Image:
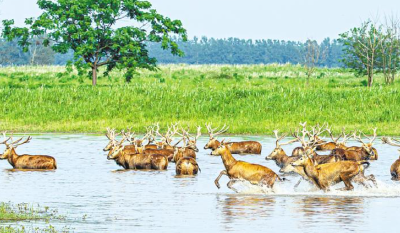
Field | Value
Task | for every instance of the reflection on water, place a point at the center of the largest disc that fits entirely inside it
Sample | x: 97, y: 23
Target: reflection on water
x: 339, y: 212
x: 97, y: 196
x: 246, y: 207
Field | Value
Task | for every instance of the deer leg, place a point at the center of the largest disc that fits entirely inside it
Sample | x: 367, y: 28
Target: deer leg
x: 347, y: 183
x: 372, y: 179
x: 298, y: 183
x: 219, y: 177
x: 361, y: 179
x: 265, y: 180
x: 230, y: 185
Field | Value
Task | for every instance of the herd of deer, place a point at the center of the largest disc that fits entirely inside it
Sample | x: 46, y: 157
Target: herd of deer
x: 156, y: 150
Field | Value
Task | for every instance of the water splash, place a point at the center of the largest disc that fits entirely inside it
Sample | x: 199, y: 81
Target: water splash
x: 391, y: 189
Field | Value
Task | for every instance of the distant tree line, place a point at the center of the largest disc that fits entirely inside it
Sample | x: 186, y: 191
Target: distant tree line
x: 197, y: 51
x: 239, y: 51
x: 13, y: 55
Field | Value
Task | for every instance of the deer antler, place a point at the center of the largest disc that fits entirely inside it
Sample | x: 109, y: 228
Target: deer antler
x: 358, y: 137
x: 279, y: 138
x: 198, y: 133
x: 389, y: 141
x: 333, y: 139
x: 15, y: 144
x: 6, y: 139
x: 211, y: 130
x: 130, y: 136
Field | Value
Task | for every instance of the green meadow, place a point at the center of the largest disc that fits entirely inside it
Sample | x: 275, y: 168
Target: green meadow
x: 251, y: 99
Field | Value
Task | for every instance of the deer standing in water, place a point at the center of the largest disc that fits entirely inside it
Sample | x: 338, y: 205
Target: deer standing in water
x: 187, y: 166
x: 40, y: 162
x: 240, y: 170
x: 137, y: 160
x: 246, y: 147
x: 395, y: 168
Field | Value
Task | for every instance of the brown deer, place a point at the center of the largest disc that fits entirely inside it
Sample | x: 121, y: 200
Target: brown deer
x: 298, y: 151
x: 326, y: 175
x: 246, y: 147
x: 278, y: 154
x: 169, y: 154
x: 135, y: 142
x: 395, y: 168
x: 137, y: 161
x: 183, y: 152
x: 329, y: 145
x: 40, y: 162
x: 167, y: 138
x: 191, y: 142
x: 365, y: 152
x: 187, y: 166
x: 240, y: 170
x: 316, y: 131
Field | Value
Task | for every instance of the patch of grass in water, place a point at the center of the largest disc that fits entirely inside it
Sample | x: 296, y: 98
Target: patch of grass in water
x: 20, y: 213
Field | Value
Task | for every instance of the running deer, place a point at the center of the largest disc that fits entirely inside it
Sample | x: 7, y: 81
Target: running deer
x: 40, y: 162
x: 246, y: 147
x: 240, y: 170
x: 187, y: 166
x: 278, y: 154
x: 395, y: 168
x: 326, y: 175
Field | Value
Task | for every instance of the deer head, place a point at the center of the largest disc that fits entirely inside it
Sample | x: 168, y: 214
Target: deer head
x: 117, y: 149
x: 213, y: 142
x: 10, y: 146
x: 221, y: 148
x: 192, y: 141
x: 278, y: 151
x: 111, y: 135
x: 366, y: 146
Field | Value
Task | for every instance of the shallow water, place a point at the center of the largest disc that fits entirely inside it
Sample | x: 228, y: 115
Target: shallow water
x: 96, y: 196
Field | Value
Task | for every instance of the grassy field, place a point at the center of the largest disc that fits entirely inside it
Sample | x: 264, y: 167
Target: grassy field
x: 250, y: 99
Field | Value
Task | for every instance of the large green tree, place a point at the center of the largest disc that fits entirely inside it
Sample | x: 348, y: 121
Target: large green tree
x: 93, y: 30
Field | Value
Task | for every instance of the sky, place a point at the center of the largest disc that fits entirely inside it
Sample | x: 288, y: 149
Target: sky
x: 297, y: 20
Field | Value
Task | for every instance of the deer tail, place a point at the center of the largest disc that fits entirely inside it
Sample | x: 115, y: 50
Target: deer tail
x: 281, y: 179
x: 367, y: 164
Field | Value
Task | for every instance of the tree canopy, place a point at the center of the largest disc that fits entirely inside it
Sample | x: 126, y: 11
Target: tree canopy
x: 92, y: 29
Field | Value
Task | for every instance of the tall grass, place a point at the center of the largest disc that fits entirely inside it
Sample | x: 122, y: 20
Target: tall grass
x: 250, y: 99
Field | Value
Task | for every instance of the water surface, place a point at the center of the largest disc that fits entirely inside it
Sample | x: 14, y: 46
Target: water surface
x: 97, y: 196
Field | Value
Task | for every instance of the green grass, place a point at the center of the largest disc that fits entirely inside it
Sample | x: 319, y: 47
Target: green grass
x: 26, y: 213
x: 250, y: 99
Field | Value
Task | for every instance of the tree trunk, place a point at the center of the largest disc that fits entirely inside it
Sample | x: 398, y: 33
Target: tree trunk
x: 370, y: 79
x: 94, y: 75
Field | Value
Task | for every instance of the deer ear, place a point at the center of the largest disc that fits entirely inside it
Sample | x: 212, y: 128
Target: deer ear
x: 223, y: 141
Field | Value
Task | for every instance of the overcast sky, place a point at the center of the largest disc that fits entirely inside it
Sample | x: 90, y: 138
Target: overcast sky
x: 252, y: 19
